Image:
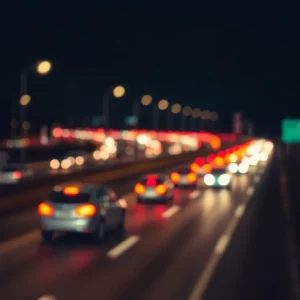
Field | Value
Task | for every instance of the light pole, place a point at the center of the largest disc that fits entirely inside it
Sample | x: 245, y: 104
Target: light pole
x: 42, y: 68
x: 117, y: 92
x: 186, y: 112
x: 162, y: 105
x: 175, y: 109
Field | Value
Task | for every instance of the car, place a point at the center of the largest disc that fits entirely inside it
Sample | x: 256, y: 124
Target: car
x: 184, y: 177
x: 241, y: 167
x: 218, y: 178
x: 82, y: 208
x: 154, y: 187
x: 14, y: 173
x: 198, y: 165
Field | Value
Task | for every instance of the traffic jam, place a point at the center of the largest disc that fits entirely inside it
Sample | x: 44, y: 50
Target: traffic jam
x: 95, y: 210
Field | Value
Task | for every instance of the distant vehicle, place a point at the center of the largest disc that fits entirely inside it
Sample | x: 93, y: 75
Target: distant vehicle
x: 184, y: 177
x: 198, y: 165
x: 241, y: 167
x: 14, y: 173
x: 84, y: 208
x: 218, y: 178
x: 71, y: 159
x: 154, y: 187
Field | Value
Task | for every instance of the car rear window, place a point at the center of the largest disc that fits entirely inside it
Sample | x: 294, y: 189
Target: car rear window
x: 60, y: 197
x: 10, y: 169
x: 184, y: 170
x: 219, y: 171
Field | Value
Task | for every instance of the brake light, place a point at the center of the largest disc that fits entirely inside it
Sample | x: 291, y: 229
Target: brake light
x: 45, y: 210
x: 139, y: 189
x: 200, y: 161
x: 175, y: 177
x: 161, y: 189
x: 210, y: 157
x: 219, y: 161
x: 191, y: 177
x: 71, y: 190
x: 151, y: 181
x: 86, y: 210
x: 17, y: 175
x: 207, y: 168
x: 194, y: 167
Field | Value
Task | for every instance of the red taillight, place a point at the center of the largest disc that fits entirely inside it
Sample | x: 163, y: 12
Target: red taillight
x: 45, y: 210
x: 161, y: 189
x: 151, y: 180
x: 175, y: 177
x: 200, y: 161
x: 71, y: 190
x: 139, y: 189
x: 17, y: 175
x: 86, y: 210
x: 191, y: 177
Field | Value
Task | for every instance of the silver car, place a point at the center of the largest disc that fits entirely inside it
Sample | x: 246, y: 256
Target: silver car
x: 83, y: 208
x: 154, y: 187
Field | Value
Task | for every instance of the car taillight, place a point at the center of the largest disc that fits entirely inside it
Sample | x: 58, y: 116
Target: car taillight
x: 139, y: 189
x: 207, y: 168
x: 191, y: 177
x: 86, y: 210
x: 161, y: 189
x: 175, y: 177
x: 194, y: 167
x: 17, y: 175
x: 45, y: 210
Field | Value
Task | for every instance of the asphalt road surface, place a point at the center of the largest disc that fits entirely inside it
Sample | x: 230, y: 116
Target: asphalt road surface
x: 165, y: 252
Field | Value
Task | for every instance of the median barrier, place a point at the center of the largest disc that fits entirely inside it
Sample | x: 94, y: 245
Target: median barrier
x: 38, y: 191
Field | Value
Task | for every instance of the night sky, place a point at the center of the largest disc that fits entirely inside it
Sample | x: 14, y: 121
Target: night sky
x: 220, y: 58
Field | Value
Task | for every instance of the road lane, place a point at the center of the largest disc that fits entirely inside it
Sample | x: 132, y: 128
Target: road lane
x: 32, y: 266
x: 167, y: 260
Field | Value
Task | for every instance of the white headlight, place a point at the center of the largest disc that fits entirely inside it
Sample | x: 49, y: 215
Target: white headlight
x: 224, y: 179
x: 54, y: 164
x: 263, y: 156
x: 253, y: 160
x: 243, y: 168
x: 209, y: 179
x: 233, y: 168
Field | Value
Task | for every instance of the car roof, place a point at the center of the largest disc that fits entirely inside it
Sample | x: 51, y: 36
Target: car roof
x: 84, y: 187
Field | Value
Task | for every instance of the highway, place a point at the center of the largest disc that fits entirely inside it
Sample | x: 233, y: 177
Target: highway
x: 163, y: 253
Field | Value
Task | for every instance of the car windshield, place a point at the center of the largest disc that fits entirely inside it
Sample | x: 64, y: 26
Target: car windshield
x: 60, y: 197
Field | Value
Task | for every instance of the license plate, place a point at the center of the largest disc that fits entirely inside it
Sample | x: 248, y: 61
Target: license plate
x: 63, y: 214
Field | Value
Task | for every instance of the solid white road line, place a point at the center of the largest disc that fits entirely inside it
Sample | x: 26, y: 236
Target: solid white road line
x: 220, y: 248
x: 256, y: 179
x: 123, y: 246
x: 250, y: 191
x: 240, y: 210
x: 194, y: 194
x: 171, y: 211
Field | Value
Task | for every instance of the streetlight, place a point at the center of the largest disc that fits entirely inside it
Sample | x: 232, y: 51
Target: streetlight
x: 175, y: 109
x: 42, y: 68
x: 146, y: 100
x: 163, y: 104
x: 118, y: 92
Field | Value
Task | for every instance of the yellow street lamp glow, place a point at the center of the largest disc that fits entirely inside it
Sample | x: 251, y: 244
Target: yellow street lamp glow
x: 119, y: 91
x: 214, y: 116
x: 146, y: 100
x: 44, y: 67
x: 205, y: 115
x: 163, y: 104
x: 196, y: 113
x: 176, y: 108
x: 25, y: 100
x: 187, y: 111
